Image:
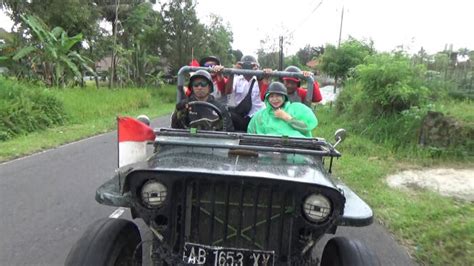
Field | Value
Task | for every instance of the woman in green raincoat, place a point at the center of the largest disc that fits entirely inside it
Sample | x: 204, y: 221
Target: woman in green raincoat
x: 281, y: 117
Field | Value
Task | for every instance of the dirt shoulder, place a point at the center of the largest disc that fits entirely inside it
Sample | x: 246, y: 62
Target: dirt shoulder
x: 456, y: 183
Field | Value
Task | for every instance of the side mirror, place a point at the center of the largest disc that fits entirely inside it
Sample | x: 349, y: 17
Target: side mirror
x: 339, y: 136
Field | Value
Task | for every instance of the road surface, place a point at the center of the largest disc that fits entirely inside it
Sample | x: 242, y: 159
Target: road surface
x: 47, y: 201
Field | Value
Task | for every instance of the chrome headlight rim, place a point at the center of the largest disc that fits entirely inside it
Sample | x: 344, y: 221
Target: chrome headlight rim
x: 157, y: 199
x: 325, y: 208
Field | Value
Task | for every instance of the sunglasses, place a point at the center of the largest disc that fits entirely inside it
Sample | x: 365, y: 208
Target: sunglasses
x: 200, y: 83
x: 210, y: 64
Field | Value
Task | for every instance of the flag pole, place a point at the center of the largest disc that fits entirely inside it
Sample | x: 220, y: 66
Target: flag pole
x: 118, y: 146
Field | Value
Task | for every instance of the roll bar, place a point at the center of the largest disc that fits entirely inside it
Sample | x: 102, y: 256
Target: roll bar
x: 236, y: 71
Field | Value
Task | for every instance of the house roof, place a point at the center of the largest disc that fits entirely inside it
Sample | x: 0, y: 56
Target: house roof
x: 313, y: 63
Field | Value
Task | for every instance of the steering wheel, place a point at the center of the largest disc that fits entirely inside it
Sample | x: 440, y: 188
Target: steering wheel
x: 196, y: 118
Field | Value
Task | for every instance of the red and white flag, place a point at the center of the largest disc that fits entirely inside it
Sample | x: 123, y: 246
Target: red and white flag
x: 194, y: 63
x: 133, y: 136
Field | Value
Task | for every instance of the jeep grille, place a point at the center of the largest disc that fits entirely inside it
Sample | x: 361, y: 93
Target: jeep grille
x: 249, y: 214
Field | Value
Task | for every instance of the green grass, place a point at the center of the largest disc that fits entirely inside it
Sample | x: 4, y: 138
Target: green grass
x: 463, y: 110
x: 90, y: 112
x: 437, y: 230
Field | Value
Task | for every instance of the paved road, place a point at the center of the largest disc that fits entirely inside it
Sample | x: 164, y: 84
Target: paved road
x: 47, y: 201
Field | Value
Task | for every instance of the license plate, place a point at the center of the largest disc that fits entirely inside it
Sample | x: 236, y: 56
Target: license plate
x: 209, y: 255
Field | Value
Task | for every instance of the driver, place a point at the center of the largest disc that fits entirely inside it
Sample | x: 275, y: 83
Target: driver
x: 185, y: 116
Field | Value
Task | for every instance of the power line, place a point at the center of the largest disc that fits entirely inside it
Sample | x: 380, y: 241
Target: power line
x: 307, y: 17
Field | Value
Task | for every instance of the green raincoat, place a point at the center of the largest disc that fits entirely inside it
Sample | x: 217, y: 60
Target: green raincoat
x: 264, y: 121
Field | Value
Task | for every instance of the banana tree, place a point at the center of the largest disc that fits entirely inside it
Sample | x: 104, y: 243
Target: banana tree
x: 51, y: 53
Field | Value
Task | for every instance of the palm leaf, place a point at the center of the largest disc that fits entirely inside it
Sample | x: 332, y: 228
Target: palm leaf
x: 84, y: 61
x: 57, y: 31
x: 69, y: 42
x: 72, y: 66
x: 52, y: 52
x: 36, y: 26
x: 24, y: 52
x: 80, y: 58
x: 89, y: 69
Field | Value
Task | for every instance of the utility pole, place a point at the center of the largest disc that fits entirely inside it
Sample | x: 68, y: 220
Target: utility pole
x: 114, y: 49
x: 340, y: 28
x: 280, y: 61
x: 338, y: 45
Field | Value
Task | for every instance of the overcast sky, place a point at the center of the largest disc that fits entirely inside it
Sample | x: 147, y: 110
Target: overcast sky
x: 389, y: 23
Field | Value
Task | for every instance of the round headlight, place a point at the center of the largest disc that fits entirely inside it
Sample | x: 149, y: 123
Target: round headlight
x: 153, y: 193
x: 317, y: 207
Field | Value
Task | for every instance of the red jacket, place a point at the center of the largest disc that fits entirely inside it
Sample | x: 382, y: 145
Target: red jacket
x: 301, y: 92
x: 220, y: 82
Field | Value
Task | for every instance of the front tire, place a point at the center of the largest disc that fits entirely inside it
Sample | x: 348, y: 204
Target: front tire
x: 107, y: 242
x: 341, y: 251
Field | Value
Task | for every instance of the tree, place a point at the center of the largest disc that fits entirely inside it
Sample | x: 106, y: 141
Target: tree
x: 184, y: 33
x: 441, y: 63
x: 421, y: 57
x: 219, y: 40
x: 471, y: 55
x: 8, y: 49
x: 142, y: 39
x: 338, y: 61
x: 116, y: 12
x: 308, y: 53
x: 463, y: 52
x: 269, y: 51
x: 268, y: 59
x: 237, y: 55
x: 74, y: 16
x: 293, y: 60
x: 50, y: 52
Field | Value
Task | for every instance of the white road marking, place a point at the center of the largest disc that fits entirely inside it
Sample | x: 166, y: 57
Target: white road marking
x: 55, y: 148
x: 117, y: 213
x: 74, y: 142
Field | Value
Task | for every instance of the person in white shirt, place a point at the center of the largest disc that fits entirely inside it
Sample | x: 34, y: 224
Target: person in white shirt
x: 243, y: 94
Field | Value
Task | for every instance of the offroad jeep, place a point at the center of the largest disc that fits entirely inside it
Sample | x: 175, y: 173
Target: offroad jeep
x: 226, y: 198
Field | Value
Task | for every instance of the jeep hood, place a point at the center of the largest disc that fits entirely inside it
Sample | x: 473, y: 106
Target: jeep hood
x: 289, y: 167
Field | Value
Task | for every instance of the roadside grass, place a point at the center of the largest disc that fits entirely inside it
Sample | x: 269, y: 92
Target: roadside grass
x: 463, y: 110
x: 436, y: 230
x: 90, y: 112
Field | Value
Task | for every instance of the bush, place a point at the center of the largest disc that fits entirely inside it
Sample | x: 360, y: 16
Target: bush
x: 386, y: 99
x: 24, y: 110
x: 391, y: 83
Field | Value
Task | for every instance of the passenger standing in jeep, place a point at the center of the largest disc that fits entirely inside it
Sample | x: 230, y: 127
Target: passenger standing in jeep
x: 218, y: 79
x: 296, y: 93
x: 243, y: 94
